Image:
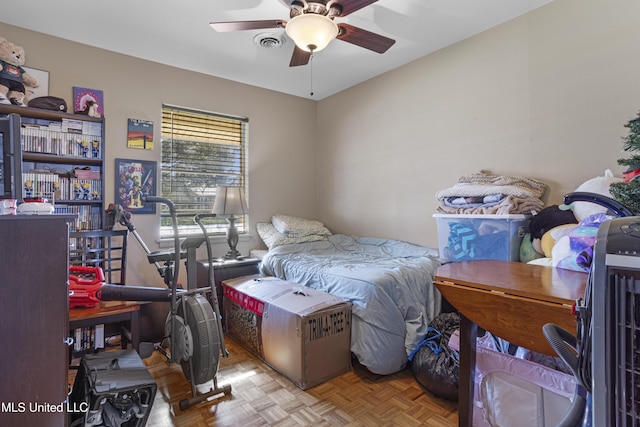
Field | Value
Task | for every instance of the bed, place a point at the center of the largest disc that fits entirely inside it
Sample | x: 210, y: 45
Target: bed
x: 389, y: 283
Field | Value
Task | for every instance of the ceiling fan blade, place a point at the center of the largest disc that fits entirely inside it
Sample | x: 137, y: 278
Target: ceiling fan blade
x: 350, y: 6
x: 364, y: 38
x: 299, y: 57
x: 224, y: 27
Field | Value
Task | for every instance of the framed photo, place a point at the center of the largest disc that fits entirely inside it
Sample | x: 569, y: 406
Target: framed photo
x: 135, y: 178
x: 140, y: 134
x: 43, y: 83
x: 88, y: 101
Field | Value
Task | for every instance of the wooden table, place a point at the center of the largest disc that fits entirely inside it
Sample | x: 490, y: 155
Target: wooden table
x: 106, y: 313
x: 513, y: 301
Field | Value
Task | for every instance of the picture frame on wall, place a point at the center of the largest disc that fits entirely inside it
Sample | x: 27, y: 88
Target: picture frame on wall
x: 134, y: 179
x: 42, y: 77
x: 140, y: 134
x: 87, y: 101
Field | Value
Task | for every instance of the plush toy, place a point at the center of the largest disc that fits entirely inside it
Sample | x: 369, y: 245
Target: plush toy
x: 13, y: 78
x: 553, y: 236
x: 569, y: 244
x: 548, y: 218
x: 574, y: 250
x: 527, y: 251
x: 598, y: 185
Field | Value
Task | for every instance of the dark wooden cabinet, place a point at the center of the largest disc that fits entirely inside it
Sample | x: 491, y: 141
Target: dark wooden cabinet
x: 224, y: 270
x: 34, y: 307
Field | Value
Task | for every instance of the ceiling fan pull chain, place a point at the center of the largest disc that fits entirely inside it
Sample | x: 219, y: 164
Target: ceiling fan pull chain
x: 311, y: 72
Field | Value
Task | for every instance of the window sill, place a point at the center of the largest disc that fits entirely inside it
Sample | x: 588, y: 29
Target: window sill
x: 215, y: 240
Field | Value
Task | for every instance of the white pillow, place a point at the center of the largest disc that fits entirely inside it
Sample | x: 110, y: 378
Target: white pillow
x: 292, y: 226
x: 273, y: 238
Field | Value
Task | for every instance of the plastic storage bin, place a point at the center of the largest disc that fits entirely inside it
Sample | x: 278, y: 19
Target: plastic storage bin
x: 464, y: 237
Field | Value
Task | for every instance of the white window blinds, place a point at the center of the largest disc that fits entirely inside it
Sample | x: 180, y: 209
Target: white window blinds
x: 200, y: 150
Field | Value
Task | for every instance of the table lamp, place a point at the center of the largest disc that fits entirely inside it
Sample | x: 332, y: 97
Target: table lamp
x: 230, y: 201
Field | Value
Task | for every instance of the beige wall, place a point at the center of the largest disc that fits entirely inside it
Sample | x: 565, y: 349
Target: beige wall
x: 282, y: 128
x: 544, y: 96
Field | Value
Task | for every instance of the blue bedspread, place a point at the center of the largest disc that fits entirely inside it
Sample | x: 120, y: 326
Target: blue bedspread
x: 389, y: 283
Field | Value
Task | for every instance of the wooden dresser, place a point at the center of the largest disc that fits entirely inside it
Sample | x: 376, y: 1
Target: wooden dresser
x: 34, y: 299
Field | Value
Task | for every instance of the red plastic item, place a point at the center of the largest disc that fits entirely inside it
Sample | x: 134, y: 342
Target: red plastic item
x: 85, y: 286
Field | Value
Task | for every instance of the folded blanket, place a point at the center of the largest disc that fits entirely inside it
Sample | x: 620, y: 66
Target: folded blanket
x: 508, y: 205
x: 479, y: 185
x: 472, y: 202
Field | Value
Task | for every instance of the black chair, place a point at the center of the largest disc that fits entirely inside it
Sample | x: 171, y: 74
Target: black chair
x: 104, y: 249
x: 107, y: 250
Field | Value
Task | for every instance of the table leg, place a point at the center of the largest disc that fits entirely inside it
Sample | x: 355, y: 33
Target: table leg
x: 468, y: 335
x: 135, y: 330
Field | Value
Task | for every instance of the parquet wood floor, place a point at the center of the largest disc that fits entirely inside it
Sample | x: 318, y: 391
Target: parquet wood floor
x: 260, y: 396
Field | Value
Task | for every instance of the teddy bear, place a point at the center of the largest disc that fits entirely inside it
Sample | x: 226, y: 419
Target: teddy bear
x: 13, y: 78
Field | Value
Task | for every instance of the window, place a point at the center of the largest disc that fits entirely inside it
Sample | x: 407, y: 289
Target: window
x: 200, y: 150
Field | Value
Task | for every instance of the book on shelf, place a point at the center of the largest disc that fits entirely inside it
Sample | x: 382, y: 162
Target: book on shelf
x: 92, y: 128
x: 72, y: 125
x: 85, y: 189
x: 88, y: 217
x: 55, y: 187
x: 88, y: 338
x: 74, y: 138
x: 99, y: 336
x: 41, y: 185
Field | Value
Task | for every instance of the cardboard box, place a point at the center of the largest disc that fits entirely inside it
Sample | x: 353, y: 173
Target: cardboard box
x: 303, y: 333
x: 463, y: 237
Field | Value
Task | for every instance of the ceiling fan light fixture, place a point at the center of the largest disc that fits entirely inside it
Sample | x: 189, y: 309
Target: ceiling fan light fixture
x: 311, y: 32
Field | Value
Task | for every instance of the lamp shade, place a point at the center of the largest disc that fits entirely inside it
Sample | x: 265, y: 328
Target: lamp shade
x: 311, y: 32
x: 230, y: 201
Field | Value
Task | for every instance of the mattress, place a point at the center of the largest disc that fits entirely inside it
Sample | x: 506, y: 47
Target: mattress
x: 388, y: 282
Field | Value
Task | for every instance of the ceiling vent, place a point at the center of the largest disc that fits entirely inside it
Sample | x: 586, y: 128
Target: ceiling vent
x: 269, y: 40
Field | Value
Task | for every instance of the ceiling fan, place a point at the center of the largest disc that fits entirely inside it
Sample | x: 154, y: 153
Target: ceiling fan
x: 312, y: 27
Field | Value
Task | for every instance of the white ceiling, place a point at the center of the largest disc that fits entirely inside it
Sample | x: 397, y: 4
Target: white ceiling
x: 177, y: 33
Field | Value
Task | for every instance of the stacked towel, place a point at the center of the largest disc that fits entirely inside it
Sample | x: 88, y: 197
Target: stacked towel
x: 482, y: 193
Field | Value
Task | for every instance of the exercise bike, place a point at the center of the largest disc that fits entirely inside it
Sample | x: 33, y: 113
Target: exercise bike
x: 193, y: 329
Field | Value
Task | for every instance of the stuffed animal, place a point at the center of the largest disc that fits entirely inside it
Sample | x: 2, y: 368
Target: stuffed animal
x: 568, y: 243
x: 540, y: 225
x: 574, y: 250
x: 13, y: 78
x: 598, y: 185
x: 548, y: 218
